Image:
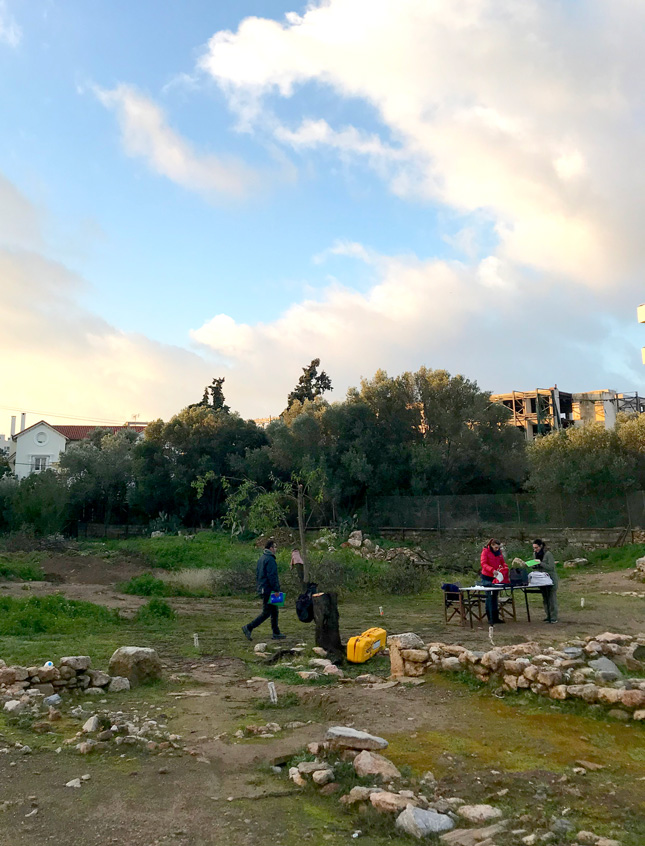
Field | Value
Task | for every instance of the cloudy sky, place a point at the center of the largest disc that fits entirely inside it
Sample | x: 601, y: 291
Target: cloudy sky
x: 202, y: 189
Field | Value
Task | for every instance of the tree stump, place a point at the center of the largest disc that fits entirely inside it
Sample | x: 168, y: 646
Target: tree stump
x: 326, y: 618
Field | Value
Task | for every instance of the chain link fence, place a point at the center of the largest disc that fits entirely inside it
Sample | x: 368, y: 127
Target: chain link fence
x: 471, y: 511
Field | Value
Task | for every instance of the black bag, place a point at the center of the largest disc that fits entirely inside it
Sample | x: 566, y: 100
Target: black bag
x: 305, y: 604
x: 519, y: 576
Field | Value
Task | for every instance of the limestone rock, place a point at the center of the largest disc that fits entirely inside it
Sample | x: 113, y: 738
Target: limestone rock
x: 389, y: 803
x: 7, y: 675
x: 451, y: 663
x: 79, y: 663
x: 417, y: 656
x: 14, y: 706
x: 75, y: 782
x: 135, y: 663
x: 606, y: 668
x: 92, y: 725
x: 323, y: 776
x: 309, y: 767
x: 319, y: 651
x: 613, y: 637
x: 479, y: 813
x: 118, y: 684
x: 98, y: 678
x: 407, y: 640
x: 355, y: 539
x: 587, y: 838
x: 260, y: 647
x: 420, y: 823
x: 472, y: 836
x: 332, y: 670
x: 371, y: 764
x: 320, y: 663
x: 296, y: 778
x: 359, y: 794
x: 343, y: 737
x: 308, y: 675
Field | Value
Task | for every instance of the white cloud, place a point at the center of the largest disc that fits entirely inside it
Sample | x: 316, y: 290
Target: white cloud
x: 61, y: 357
x: 528, y: 110
x: 465, y: 319
x: 10, y: 32
x: 145, y: 134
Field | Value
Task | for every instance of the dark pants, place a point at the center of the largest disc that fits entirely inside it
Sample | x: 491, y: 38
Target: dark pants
x: 268, y: 610
x: 492, y: 610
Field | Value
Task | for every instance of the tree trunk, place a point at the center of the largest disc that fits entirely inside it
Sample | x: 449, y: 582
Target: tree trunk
x: 303, y: 542
x: 326, y: 619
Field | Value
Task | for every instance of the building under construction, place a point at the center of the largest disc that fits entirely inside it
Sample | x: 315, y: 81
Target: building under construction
x: 545, y: 410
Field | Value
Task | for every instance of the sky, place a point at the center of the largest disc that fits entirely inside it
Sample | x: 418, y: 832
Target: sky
x: 200, y: 189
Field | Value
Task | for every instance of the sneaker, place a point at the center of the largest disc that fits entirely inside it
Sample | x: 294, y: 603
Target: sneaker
x: 247, y: 632
x: 279, y: 637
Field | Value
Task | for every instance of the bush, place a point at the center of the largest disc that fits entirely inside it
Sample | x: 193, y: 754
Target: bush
x: 52, y: 614
x: 146, y: 585
x: 154, y: 611
x: 404, y: 576
x: 239, y: 579
x: 28, y: 571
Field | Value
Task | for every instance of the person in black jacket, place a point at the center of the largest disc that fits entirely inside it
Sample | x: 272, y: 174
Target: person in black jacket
x: 266, y: 576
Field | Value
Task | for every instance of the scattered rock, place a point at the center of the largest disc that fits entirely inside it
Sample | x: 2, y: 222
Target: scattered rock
x: 296, y: 778
x: 75, y: 782
x: 420, y: 823
x: 319, y: 651
x: 472, y: 837
x: 389, y: 803
x: 14, y: 706
x: 260, y: 647
x: 343, y: 737
x: 479, y: 813
x: 118, y: 684
x: 92, y: 725
x: 330, y: 789
x: 359, y: 794
x: 322, y: 777
x: 371, y: 764
x: 135, y: 663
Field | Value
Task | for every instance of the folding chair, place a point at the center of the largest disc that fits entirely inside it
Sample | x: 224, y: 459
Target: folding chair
x: 453, y: 604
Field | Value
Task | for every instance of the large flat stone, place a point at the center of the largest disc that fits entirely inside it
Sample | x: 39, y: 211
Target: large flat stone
x: 606, y: 666
x: 343, y: 737
x: 138, y: 664
x: 407, y: 640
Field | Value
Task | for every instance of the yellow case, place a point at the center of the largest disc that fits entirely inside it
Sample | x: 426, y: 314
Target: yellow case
x: 364, y: 646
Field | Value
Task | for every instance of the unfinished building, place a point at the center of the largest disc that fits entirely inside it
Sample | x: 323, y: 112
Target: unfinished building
x: 545, y: 410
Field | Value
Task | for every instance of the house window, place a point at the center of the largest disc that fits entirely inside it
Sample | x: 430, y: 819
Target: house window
x: 41, y: 438
x: 40, y: 462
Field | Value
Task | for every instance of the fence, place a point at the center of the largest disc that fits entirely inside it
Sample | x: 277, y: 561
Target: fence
x: 469, y: 512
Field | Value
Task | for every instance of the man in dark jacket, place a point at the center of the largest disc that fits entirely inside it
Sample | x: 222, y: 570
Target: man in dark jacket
x: 266, y: 576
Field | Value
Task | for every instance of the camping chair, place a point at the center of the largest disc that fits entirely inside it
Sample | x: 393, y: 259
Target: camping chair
x: 506, y: 605
x: 453, y: 603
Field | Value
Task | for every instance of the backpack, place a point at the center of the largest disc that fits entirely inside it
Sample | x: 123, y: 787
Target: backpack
x: 305, y: 604
x: 519, y: 576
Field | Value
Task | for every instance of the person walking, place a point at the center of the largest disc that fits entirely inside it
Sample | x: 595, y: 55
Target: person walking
x: 266, y: 576
x: 550, y: 592
x: 494, y: 572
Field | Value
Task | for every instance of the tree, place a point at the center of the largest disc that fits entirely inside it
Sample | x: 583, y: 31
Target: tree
x: 582, y: 462
x: 310, y: 385
x: 213, y: 397
x: 99, y: 472
x: 180, y: 464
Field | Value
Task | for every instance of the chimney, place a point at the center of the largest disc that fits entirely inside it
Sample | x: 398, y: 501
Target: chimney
x: 23, y: 420
x: 13, y: 425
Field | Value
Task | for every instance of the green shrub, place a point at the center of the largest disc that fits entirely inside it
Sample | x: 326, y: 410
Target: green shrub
x: 154, y: 611
x: 146, y: 585
x: 52, y: 614
x: 28, y: 570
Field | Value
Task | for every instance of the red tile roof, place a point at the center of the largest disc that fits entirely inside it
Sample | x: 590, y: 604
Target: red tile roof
x: 79, y: 433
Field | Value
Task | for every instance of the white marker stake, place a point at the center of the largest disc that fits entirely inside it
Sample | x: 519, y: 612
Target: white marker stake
x: 582, y: 602
x: 491, y: 629
x: 196, y: 640
x: 380, y: 610
x: 273, y: 694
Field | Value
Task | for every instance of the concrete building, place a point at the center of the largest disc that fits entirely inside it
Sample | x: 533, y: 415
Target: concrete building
x: 40, y: 446
x: 545, y: 410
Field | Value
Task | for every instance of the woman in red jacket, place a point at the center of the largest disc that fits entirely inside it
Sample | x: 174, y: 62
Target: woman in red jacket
x: 494, y: 572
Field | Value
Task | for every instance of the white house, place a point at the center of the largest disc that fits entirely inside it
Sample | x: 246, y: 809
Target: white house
x: 40, y: 446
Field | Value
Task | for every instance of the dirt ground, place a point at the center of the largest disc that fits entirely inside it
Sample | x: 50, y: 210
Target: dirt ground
x: 222, y: 791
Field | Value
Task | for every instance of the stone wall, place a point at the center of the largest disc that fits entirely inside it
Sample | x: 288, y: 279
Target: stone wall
x: 594, y: 670
x: 70, y: 673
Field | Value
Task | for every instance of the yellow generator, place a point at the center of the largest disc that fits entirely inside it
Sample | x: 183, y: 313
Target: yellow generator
x: 364, y: 646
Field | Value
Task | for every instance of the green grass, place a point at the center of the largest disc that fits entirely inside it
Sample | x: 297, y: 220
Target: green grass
x: 148, y: 585
x: 175, y: 552
x: 52, y: 614
x: 618, y: 558
x: 23, y: 566
x: 156, y: 611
